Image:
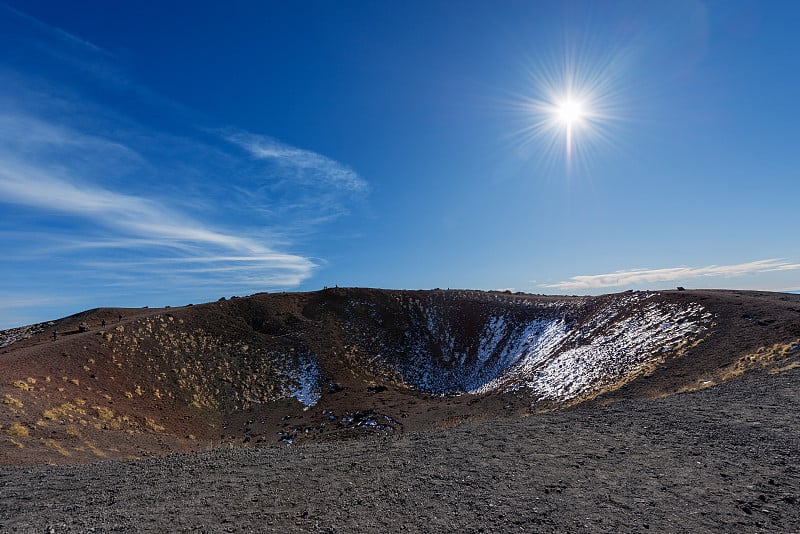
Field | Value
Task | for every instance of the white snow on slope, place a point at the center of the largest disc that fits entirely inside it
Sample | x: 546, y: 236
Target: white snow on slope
x: 307, y: 387
x: 579, y: 361
x: 555, y: 351
x: 10, y: 336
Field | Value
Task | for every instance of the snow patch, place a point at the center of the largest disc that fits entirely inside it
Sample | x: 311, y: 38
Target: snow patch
x: 307, y: 387
x: 555, y: 350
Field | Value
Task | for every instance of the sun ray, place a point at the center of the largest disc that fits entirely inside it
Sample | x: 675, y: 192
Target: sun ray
x: 571, y: 108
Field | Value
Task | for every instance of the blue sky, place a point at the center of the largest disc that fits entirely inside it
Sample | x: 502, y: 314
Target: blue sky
x: 165, y: 153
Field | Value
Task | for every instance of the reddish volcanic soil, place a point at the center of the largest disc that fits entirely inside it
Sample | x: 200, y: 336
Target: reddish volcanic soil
x: 706, y: 438
x: 723, y: 459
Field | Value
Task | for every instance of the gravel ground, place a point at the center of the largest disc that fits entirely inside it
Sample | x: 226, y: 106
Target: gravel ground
x: 719, y: 460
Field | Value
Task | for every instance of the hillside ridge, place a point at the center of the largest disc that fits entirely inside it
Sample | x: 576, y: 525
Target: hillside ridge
x: 280, y: 368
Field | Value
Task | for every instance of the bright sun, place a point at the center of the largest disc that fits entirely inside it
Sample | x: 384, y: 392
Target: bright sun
x: 569, y: 112
x: 574, y: 106
x: 569, y: 115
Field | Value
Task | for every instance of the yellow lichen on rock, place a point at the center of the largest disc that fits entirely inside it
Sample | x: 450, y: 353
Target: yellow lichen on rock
x: 57, y: 447
x: 11, y: 401
x: 103, y: 413
x: 21, y: 384
x: 94, y: 450
x: 18, y: 430
x: 775, y: 359
x: 152, y: 425
x: 67, y: 410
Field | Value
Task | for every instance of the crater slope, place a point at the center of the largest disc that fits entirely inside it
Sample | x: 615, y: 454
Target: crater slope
x: 274, y: 369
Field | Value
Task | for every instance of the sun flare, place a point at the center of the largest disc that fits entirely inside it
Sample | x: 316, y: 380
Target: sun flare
x: 569, y: 112
x: 571, y: 108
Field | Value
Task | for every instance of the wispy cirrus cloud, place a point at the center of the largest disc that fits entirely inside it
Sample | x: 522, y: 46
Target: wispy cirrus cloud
x: 304, y: 165
x: 636, y: 277
x: 101, y: 208
x: 59, y: 34
x: 56, y: 168
x: 146, y: 224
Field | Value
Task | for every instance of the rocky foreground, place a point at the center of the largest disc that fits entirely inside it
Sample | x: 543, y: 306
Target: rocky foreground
x: 724, y: 459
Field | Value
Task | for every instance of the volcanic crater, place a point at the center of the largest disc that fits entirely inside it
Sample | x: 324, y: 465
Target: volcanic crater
x: 366, y: 410
x: 342, y: 363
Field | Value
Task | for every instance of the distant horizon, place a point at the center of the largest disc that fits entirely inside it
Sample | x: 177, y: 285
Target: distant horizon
x: 551, y: 148
x: 168, y: 306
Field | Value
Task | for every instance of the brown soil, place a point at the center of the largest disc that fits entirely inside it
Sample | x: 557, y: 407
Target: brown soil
x: 723, y: 459
x: 156, y: 381
x: 374, y: 454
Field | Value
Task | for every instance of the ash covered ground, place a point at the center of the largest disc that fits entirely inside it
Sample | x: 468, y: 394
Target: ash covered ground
x: 722, y: 459
x: 373, y: 410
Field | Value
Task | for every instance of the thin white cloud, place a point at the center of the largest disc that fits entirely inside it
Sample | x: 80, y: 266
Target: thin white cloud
x: 788, y: 267
x: 139, y: 217
x: 311, y: 165
x: 25, y: 135
x: 30, y: 186
x: 11, y: 300
x: 98, y: 204
x: 58, y: 33
x: 34, y: 173
x: 648, y: 276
